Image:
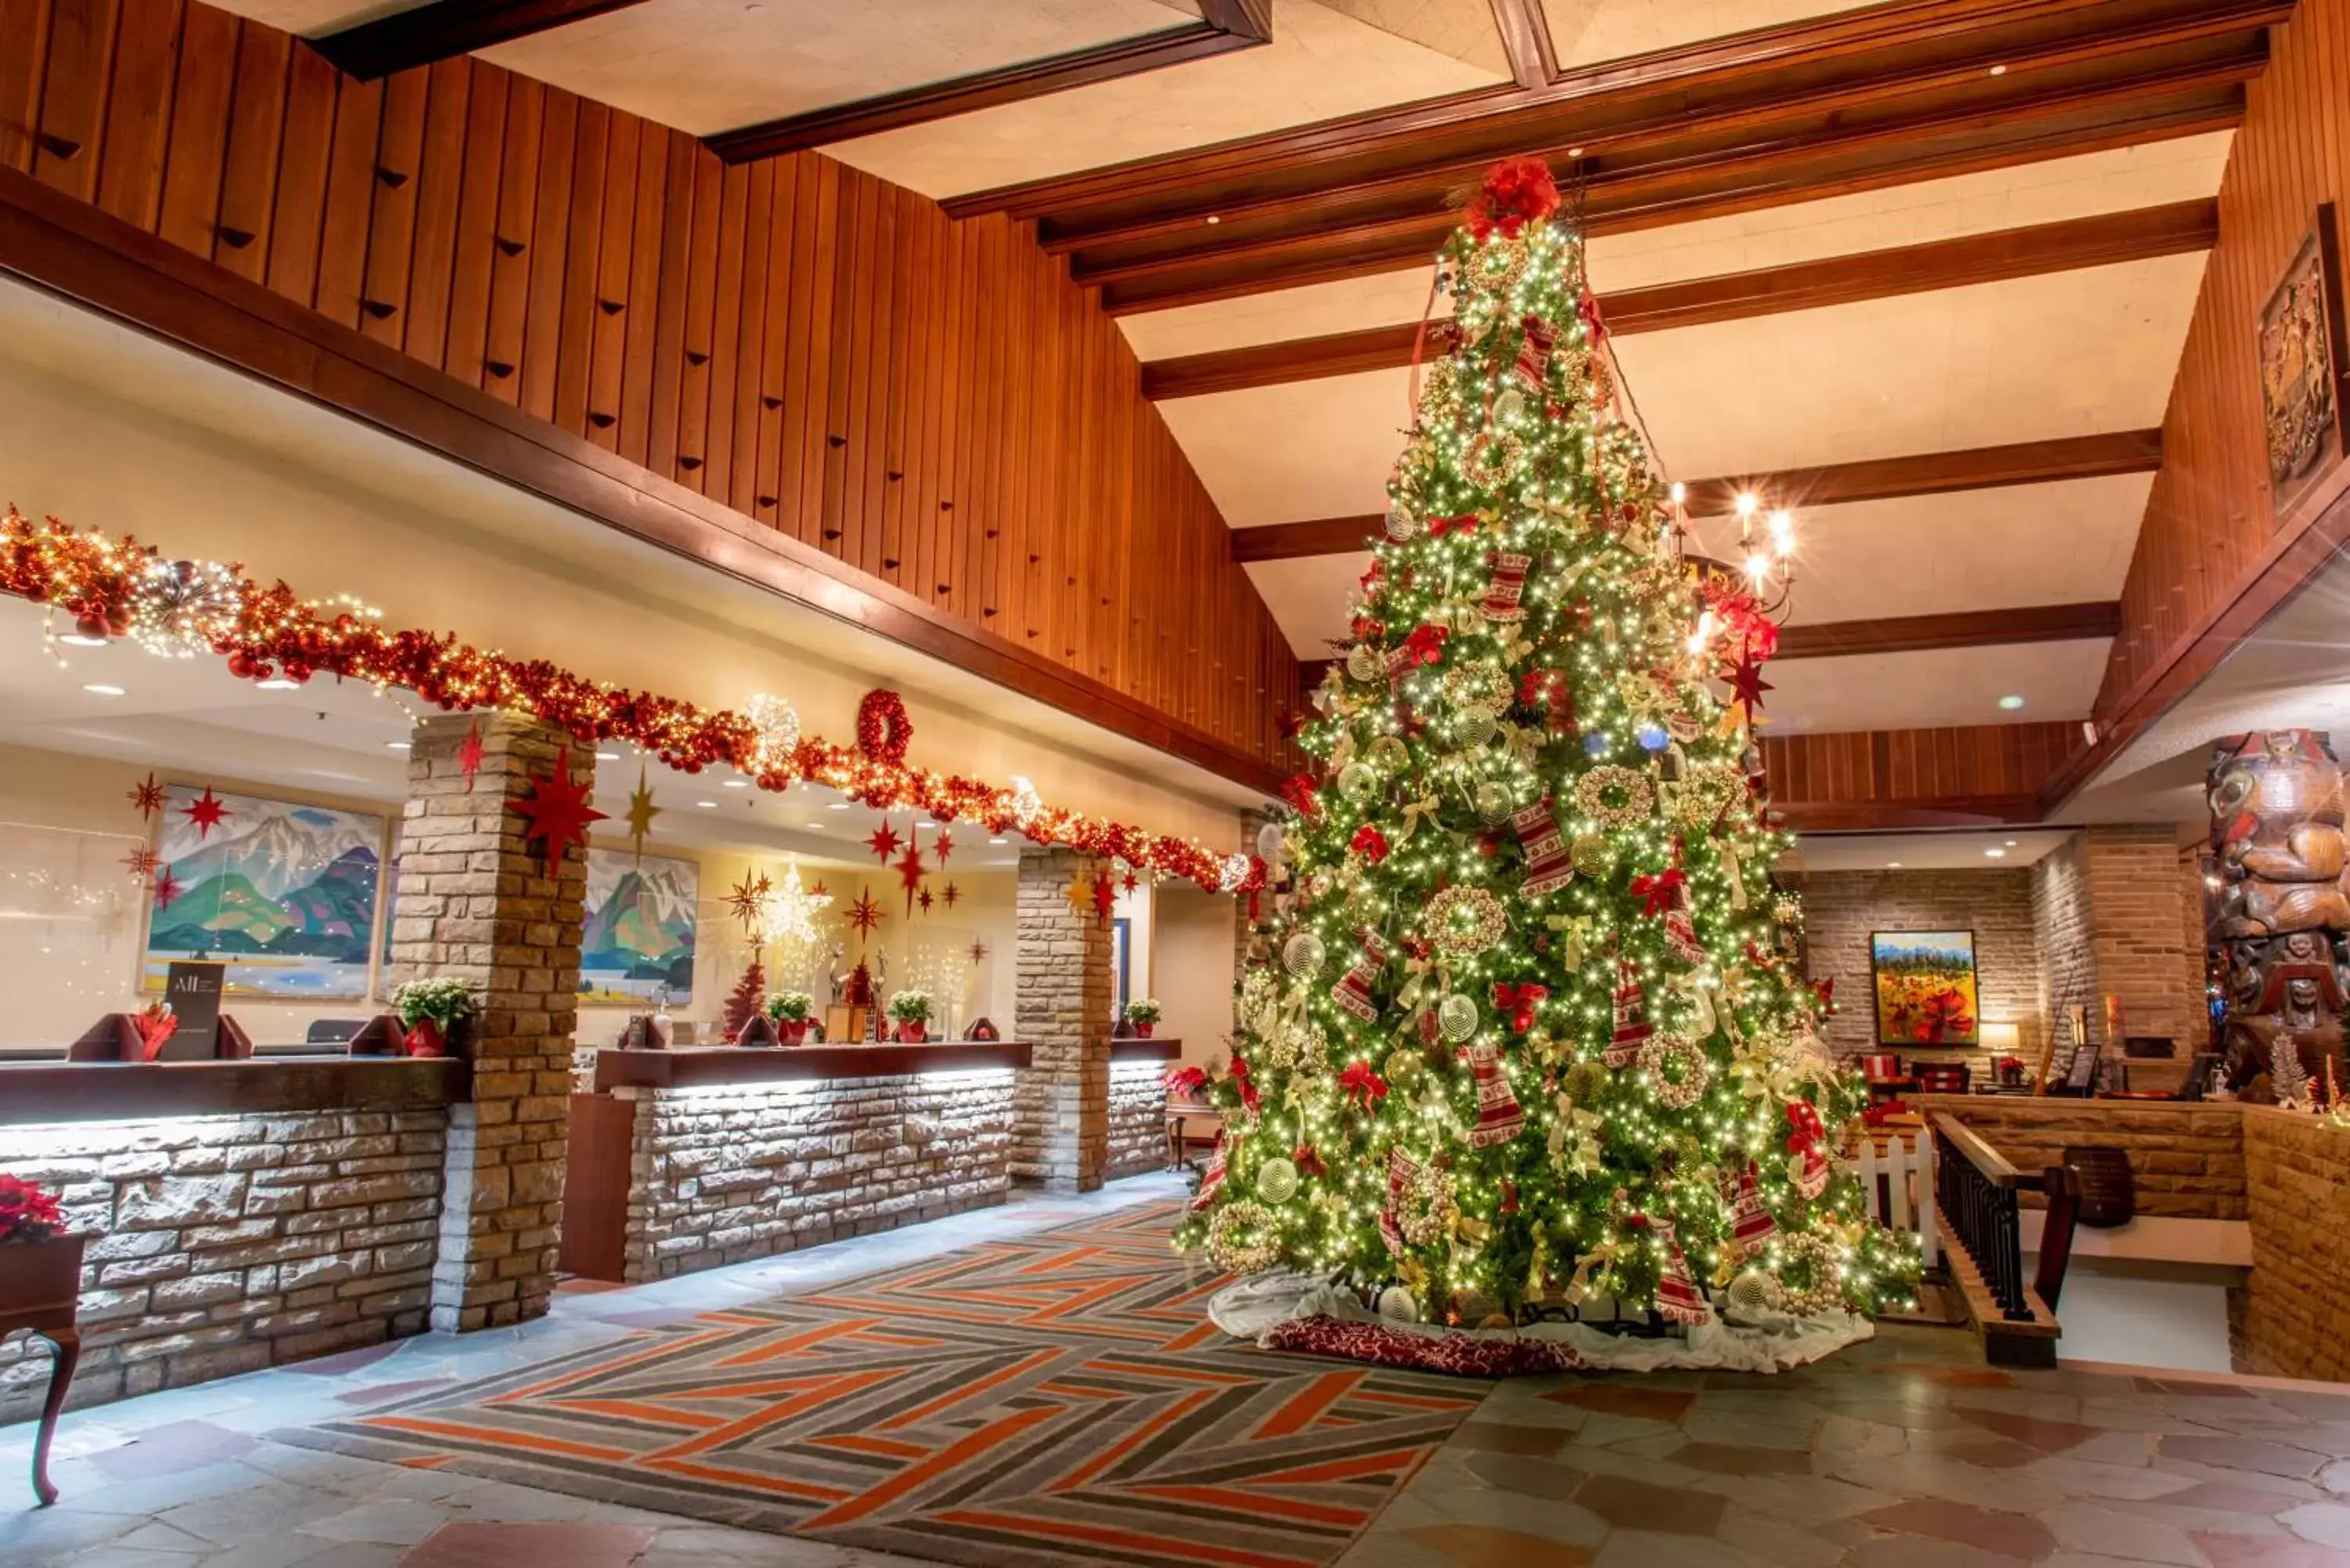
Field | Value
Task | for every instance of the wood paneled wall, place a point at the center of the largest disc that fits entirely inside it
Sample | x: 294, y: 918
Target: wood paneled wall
x: 930, y: 402
x: 1893, y: 778
x: 2210, y: 523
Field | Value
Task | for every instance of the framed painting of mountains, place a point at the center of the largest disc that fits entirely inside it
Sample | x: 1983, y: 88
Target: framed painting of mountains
x: 639, y: 944
x: 283, y: 894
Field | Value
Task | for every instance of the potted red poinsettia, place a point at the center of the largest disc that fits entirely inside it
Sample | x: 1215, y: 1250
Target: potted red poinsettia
x: 911, y: 1011
x: 40, y: 1260
x: 433, y: 1011
x: 793, y: 1010
x: 1144, y: 1013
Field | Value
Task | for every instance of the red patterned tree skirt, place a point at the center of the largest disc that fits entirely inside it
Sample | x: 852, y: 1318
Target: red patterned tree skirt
x: 1461, y: 1355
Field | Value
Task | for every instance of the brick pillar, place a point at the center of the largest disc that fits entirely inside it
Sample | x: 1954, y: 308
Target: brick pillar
x: 1062, y: 994
x: 475, y: 903
x: 2105, y: 907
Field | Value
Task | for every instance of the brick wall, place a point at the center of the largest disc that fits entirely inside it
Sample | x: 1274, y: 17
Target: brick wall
x: 1842, y: 907
x: 723, y: 1176
x: 1062, y: 1008
x: 1138, y: 1118
x: 2067, y: 933
x: 2287, y: 1321
x: 224, y: 1244
x: 2187, y: 1161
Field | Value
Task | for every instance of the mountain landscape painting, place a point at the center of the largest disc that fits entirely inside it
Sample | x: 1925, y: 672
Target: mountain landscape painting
x: 640, y: 935
x: 283, y: 894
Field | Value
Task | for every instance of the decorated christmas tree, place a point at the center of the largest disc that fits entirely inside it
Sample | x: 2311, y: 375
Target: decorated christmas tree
x: 1528, y: 1028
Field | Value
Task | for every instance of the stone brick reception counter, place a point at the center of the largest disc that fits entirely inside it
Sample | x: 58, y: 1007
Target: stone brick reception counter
x: 240, y: 1214
x: 1137, y: 1103
x: 687, y: 1159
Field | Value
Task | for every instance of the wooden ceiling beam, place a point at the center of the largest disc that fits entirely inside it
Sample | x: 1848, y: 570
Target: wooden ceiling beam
x: 1224, y: 25
x: 447, y: 29
x: 1896, y: 46
x: 2068, y: 244
x: 1960, y: 775
x: 1686, y: 187
x: 1526, y: 39
x: 2011, y: 810
x: 1873, y: 479
x: 1959, y: 628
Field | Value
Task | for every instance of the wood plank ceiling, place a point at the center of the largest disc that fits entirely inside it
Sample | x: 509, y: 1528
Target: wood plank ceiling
x: 1922, y: 269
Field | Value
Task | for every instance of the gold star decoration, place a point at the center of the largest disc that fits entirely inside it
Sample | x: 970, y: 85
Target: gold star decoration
x: 641, y: 812
x: 748, y: 899
x: 1081, y: 896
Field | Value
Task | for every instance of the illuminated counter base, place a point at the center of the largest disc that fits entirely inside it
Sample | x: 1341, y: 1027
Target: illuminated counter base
x: 1137, y: 1103
x: 730, y: 1154
x: 240, y: 1215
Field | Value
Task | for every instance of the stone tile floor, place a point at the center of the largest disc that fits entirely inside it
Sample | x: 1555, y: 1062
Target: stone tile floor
x: 1904, y: 1453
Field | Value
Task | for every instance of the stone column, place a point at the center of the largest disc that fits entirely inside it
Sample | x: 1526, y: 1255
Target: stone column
x: 1062, y: 1002
x: 2105, y: 911
x: 476, y: 903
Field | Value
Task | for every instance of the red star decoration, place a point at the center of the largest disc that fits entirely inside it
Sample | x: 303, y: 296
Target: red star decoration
x: 951, y: 894
x: 748, y: 898
x: 469, y: 756
x: 167, y: 888
x: 1131, y: 883
x: 884, y: 842
x: 978, y: 952
x: 556, y: 812
x: 865, y: 914
x: 944, y: 846
x: 207, y: 813
x: 1746, y: 683
x: 148, y: 796
x: 910, y: 872
x: 821, y: 891
x: 923, y: 898
x: 1103, y: 893
x: 142, y: 862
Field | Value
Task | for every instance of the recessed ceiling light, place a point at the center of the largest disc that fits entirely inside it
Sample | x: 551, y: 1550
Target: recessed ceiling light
x: 82, y: 639
x: 2010, y: 702
x: 277, y: 683
x: 736, y: 784
x: 838, y: 806
x: 816, y: 827
x: 1893, y: 865
x: 706, y: 805
x: 2011, y: 844
x: 396, y: 745
x: 1213, y: 219
x: 607, y: 756
x: 1574, y: 153
x: 1996, y: 853
x: 999, y: 841
x: 99, y: 688
x: 926, y: 825
x: 1998, y: 70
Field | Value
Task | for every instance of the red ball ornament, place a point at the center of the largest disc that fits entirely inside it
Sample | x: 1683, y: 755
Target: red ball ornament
x: 91, y: 626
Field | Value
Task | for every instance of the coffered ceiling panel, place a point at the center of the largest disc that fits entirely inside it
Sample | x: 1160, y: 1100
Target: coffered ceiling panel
x: 1585, y: 32
x: 1934, y: 688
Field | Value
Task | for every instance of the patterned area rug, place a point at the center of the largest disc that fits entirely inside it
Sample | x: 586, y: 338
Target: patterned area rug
x: 1057, y: 1399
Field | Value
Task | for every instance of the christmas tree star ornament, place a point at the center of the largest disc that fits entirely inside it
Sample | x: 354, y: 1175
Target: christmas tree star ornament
x: 556, y: 813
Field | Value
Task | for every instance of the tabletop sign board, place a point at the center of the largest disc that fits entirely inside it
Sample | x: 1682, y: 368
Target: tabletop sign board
x: 2081, y: 1077
x: 194, y: 990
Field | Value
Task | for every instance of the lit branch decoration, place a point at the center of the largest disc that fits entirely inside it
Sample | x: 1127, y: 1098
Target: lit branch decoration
x: 105, y: 583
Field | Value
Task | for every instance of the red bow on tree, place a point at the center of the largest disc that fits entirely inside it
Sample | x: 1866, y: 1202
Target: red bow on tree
x: 1517, y: 1002
x: 1426, y: 644
x: 1516, y: 192
x: 1297, y: 789
x: 1307, y: 1161
x: 1438, y: 527
x: 1370, y: 843
x: 1360, y: 1081
x: 1373, y: 575
x: 1805, y: 1129
x: 1658, y: 893
x: 1249, y: 1096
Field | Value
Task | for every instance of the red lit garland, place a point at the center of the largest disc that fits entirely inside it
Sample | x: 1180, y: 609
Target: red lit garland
x: 95, y: 580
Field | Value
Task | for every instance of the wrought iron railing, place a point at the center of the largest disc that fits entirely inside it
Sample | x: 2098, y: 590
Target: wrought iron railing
x: 1977, y: 1189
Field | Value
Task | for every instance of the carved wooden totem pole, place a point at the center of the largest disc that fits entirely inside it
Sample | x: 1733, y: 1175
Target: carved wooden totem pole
x: 2276, y: 799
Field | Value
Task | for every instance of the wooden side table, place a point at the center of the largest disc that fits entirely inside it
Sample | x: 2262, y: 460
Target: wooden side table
x: 1179, y: 1111
x: 40, y: 1290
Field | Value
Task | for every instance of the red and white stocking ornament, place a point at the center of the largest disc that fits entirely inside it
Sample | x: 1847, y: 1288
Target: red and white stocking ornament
x: 1807, y: 1134
x: 1353, y: 992
x: 1751, y: 1224
x: 1500, y: 1117
x: 1401, y: 1168
x: 1212, y: 1180
x: 1681, y: 936
x: 1550, y: 865
x: 1501, y: 604
x: 1678, y: 1297
x: 1632, y: 1025
x: 1534, y: 353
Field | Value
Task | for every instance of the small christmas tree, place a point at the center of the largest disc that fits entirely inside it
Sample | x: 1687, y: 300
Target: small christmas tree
x: 748, y: 999
x: 1533, y: 1032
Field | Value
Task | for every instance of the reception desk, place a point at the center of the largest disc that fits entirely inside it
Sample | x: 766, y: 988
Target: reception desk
x: 692, y: 1159
x: 241, y: 1214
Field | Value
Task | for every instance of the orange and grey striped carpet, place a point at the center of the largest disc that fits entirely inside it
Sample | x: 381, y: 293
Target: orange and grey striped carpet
x: 1056, y: 1398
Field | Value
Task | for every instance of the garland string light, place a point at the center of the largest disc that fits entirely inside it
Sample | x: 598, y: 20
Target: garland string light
x: 117, y: 586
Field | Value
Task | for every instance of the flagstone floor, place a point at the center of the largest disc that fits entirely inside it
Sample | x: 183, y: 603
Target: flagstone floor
x: 1904, y: 1453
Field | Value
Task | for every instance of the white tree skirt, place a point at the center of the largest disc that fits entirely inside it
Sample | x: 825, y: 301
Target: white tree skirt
x: 1772, y: 1341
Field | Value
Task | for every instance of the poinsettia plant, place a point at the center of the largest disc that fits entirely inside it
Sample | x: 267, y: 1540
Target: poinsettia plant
x: 1144, y: 1010
x: 911, y: 1007
x: 28, y: 1212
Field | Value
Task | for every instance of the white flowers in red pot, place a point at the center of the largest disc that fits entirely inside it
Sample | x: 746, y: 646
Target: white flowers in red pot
x: 791, y: 1011
x: 1144, y: 1013
x: 431, y: 1012
x: 911, y: 1011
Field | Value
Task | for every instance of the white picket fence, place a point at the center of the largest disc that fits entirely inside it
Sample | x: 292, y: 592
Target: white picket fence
x: 1898, y: 1185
